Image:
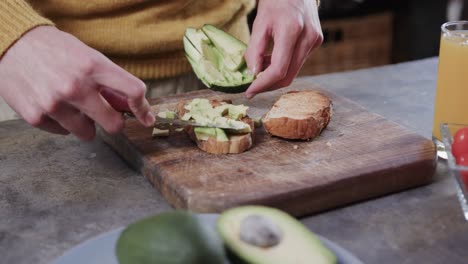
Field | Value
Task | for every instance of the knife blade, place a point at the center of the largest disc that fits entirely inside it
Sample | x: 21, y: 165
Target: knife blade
x: 183, y: 123
x: 166, y: 123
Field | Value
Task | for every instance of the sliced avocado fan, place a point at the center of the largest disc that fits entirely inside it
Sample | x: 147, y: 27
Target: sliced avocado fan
x: 217, y: 58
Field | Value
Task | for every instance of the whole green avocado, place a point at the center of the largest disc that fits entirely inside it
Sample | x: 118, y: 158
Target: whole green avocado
x: 170, y: 238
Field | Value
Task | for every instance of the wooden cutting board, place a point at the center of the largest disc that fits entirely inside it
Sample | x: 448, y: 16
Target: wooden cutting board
x: 360, y: 155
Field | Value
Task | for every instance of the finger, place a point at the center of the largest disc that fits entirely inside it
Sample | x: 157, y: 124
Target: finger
x: 257, y: 46
x: 117, y: 100
x: 74, y: 121
x: 112, y: 76
x: 142, y: 110
x: 98, y: 109
x: 50, y: 125
x: 266, y: 62
x: 283, y: 50
x: 33, y: 114
x: 304, y: 46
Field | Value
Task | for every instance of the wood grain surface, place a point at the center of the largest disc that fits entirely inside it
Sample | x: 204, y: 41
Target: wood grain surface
x: 359, y: 156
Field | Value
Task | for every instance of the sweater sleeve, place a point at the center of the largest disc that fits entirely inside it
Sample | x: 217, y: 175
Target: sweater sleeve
x: 16, y: 18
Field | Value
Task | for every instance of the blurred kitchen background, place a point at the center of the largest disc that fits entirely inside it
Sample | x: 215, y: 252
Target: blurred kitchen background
x: 366, y: 33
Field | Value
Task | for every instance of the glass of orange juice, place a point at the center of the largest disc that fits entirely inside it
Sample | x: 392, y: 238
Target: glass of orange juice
x: 452, y: 81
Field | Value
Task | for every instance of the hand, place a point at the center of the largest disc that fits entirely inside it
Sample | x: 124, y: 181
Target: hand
x: 58, y: 84
x: 294, y: 26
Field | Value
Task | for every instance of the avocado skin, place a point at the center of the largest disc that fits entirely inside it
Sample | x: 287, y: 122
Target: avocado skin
x: 231, y: 89
x: 170, y: 238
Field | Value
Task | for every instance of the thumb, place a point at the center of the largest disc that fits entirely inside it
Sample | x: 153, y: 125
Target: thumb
x: 256, y: 49
x: 108, y: 74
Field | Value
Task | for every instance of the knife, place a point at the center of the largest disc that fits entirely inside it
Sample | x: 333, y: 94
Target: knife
x: 178, y: 123
x: 166, y: 123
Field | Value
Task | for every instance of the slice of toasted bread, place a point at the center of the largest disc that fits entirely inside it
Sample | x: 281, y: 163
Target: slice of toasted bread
x: 237, y: 143
x: 299, y: 115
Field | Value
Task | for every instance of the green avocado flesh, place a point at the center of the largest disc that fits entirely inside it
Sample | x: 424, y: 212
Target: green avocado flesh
x: 167, y: 114
x: 204, y: 133
x: 287, y: 240
x: 160, y: 132
x: 164, y: 132
x: 226, y: 115
x: 170, y: 238
x: 217, y: 58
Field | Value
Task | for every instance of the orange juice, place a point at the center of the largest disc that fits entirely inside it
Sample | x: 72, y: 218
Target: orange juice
x: 451, y: 103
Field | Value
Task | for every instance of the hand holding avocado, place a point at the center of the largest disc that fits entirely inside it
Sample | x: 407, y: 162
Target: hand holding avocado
x: 294, y: 27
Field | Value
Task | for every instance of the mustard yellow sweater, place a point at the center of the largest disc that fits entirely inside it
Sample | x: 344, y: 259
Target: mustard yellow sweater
x: 142, y: 36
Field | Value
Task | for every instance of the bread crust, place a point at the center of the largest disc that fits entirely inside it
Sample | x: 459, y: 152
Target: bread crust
x: 237, y: 143
x: 305, y: 128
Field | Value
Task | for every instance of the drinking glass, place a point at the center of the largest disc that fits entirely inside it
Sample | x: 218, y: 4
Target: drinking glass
x: 451, y: 102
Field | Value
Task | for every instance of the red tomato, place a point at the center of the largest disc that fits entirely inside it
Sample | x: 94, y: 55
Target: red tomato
x: 460, y: 142
x: 462, y: 160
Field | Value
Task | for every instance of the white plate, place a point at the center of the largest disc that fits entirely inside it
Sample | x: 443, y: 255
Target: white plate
x: 100, y: 249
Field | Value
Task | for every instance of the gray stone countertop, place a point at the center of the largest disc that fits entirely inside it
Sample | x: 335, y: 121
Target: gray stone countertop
x: 56, y: 192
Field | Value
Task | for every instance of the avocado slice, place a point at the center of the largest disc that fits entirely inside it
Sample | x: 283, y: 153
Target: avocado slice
x: 217, y: 58
x: 198, y: 72
x: 237, y: 112
x: 170, y: 238
x: 190, y: 49
x: 211, y: 54
x: 230, y: 47
x: 222, y: 109
x: 201, y: 111
x: 186, y: 117
x: 221, y: 135
x: 167, y: 114
x: 204, y: 133
x: 207, y: 72
x: 160, y: 132
x: 197, y: 37
x: 203, y: 57
x: 205, y: 69
x: 198, y: 104
x: 263, y: 235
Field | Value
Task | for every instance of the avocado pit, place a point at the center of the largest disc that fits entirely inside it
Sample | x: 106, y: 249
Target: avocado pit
x: 260, y: 231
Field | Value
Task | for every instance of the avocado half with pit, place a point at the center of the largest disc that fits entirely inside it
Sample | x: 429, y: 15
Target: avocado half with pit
x: 217, y: 58
x: 176, y: 237
x: 264, y: 235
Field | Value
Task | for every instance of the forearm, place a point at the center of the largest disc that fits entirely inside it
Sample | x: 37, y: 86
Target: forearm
x: 16, y: 18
